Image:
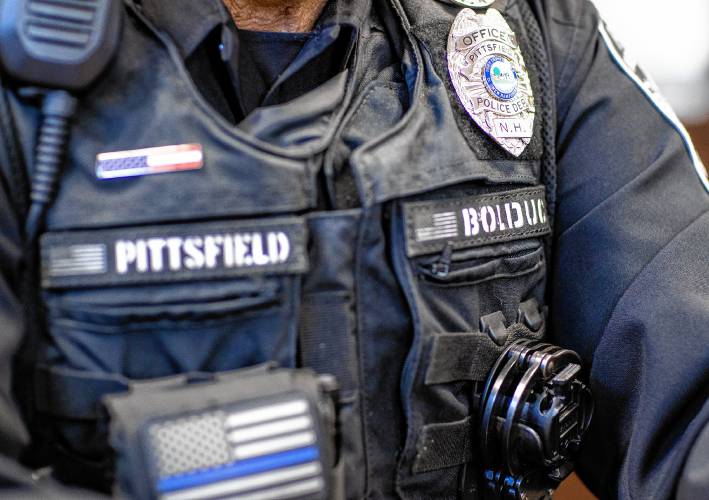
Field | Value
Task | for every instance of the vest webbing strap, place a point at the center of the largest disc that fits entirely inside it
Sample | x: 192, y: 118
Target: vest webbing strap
x: 327, y: 338
x: 459, y: 357
x: 468, y: 357
x: 444, y: 445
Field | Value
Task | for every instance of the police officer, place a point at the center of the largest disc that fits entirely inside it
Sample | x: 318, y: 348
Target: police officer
x: 395, y: 193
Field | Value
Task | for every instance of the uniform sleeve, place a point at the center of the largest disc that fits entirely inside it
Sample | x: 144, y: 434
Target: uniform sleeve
x: 13, y: 435
x: 630, y: 282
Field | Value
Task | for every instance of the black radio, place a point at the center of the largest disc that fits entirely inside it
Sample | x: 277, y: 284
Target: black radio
x: 58, y: 49
x: 261, y: 433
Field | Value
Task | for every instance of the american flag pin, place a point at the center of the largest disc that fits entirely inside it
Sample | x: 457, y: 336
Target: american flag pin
x: 149, y: 161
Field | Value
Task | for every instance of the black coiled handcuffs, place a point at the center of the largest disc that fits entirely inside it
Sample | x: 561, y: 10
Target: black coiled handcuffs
x: 534, y: 411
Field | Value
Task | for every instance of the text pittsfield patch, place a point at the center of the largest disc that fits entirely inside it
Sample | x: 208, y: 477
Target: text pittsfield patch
x: 169, y: 253
x: 475, y: 220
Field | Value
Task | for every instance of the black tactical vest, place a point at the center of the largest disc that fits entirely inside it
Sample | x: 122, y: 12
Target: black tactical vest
x: 307, y: 243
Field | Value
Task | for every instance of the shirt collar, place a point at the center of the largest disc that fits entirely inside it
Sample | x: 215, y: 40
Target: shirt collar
x: 188, y: 22
x: 345, y: 12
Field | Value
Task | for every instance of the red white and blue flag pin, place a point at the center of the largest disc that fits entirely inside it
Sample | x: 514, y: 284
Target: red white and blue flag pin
x: 149, y: 161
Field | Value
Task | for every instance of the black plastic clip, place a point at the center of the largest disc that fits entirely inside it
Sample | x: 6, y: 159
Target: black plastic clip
x: 494, y: 326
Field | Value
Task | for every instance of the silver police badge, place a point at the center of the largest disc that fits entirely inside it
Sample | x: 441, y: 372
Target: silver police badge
x: 490, y: 77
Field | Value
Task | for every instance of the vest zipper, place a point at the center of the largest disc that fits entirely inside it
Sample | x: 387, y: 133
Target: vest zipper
x: 442, y: 267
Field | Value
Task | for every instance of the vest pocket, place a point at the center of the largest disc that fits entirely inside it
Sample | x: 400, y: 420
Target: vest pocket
x: 470, y: 268
x: 157, y: 331
x: 455, y: 295
x: 118, y: 317
x: 465, y: 292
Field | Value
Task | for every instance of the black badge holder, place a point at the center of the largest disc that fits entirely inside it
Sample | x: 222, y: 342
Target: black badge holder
x: 534, y: 412
x: 60, y: 48
x: 257, y: 433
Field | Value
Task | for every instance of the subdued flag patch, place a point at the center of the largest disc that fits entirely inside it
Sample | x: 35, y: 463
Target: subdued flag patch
x: 264, y: 453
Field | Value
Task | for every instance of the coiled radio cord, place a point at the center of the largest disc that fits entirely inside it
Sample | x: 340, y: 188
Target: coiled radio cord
x: 58, y: 109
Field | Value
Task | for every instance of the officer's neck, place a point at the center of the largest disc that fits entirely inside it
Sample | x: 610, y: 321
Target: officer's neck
x: 275, y: 15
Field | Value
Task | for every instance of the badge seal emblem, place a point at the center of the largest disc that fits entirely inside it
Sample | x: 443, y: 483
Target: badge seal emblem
x: 490, y: 77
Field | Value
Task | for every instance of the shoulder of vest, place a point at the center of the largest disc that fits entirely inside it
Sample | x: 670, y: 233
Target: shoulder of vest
x: 579, y: 13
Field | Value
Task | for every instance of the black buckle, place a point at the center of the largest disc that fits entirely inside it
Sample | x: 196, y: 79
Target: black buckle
x: 534, y: 411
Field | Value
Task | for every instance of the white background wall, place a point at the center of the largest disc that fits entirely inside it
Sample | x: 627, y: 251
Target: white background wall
x: 670, y: 38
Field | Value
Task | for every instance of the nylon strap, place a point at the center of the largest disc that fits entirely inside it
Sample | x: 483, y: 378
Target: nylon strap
x: 461, y: 357
x: 327, y: 339
x: 444, y: 445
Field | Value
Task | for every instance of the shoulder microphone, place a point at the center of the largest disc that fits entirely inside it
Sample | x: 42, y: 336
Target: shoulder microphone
x: 60, y: 47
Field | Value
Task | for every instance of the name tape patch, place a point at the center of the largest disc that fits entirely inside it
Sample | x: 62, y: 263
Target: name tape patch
x: 475, y: 220
x: 149, y: 161
x: 181, y: 252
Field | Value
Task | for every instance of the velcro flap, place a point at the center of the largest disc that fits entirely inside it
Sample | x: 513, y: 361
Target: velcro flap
x: 457, y: 357
x: 171, y: 253
x: 468, y: 357
x: 475, y: 221
x: 444, y: 445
